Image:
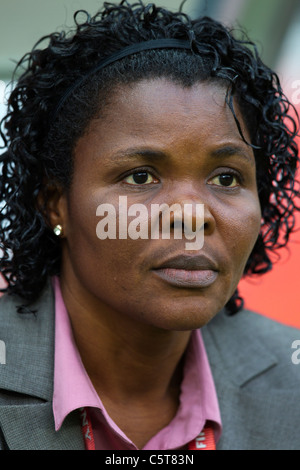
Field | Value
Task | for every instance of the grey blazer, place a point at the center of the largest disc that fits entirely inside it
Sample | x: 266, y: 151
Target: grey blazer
x: 257, y: 383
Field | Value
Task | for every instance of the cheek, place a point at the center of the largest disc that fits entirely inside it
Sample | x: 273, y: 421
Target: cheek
x: 252, y: 223
x: 240, y: 227
x: 84, y: 248
x: 104, y: 259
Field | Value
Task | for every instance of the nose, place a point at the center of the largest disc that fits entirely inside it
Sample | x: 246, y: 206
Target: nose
x: 183, y: 215
x: 192, y: 215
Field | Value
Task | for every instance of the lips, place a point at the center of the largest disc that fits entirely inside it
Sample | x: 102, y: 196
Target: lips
x: 197, y: 271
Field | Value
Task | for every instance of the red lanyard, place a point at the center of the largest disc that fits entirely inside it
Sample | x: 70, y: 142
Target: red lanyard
x: 87, y: 431
x: 205, y: 440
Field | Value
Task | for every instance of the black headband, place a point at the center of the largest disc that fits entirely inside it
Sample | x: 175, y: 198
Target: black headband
x: 167, y: 43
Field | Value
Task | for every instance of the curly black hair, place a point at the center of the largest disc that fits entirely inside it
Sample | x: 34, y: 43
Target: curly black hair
x: 40, y: 147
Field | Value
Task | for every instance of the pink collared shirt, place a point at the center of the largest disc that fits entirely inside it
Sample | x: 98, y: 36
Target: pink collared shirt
x: 73, y: 390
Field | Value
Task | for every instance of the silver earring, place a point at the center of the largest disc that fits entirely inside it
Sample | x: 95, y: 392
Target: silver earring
x: 57, y: 230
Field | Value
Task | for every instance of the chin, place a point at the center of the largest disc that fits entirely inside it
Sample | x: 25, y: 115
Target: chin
x: 186, y: 318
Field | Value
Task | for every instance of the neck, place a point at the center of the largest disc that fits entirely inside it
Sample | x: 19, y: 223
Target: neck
x: 136, y: 369
x: 126, y: 361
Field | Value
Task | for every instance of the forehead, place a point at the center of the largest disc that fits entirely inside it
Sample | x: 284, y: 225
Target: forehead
x: 163, y: 113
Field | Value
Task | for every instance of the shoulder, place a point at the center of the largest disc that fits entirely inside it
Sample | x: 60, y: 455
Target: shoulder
x: 257, y: 325
x: 25, y: 324
x: 283, y: 340
x: 14, y: 307
x: 273, y: 332
x: 10, y: 319
x: 9, y: 305
x: 251, y: 346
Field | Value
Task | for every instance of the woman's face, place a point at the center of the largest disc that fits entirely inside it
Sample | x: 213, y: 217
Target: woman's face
x: 159, y: 143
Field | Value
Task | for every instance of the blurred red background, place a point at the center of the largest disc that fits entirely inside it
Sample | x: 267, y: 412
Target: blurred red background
x: 277, y: 294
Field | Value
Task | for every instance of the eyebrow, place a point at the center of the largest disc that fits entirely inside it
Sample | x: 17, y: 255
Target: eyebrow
x: 232, y: 150
x: 139, y: 153
x: 153, y: 154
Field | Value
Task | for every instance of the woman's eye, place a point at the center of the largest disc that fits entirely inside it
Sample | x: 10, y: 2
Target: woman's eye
x: 226, y: 180
x: 140, y: 178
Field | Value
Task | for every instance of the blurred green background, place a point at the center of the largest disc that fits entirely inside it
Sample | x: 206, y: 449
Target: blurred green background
x: 273, y: 24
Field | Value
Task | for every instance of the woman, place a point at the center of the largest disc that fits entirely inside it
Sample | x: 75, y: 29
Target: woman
x: 127, y: 337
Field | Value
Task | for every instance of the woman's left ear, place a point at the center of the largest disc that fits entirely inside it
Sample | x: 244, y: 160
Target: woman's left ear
x: 52, y: 203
